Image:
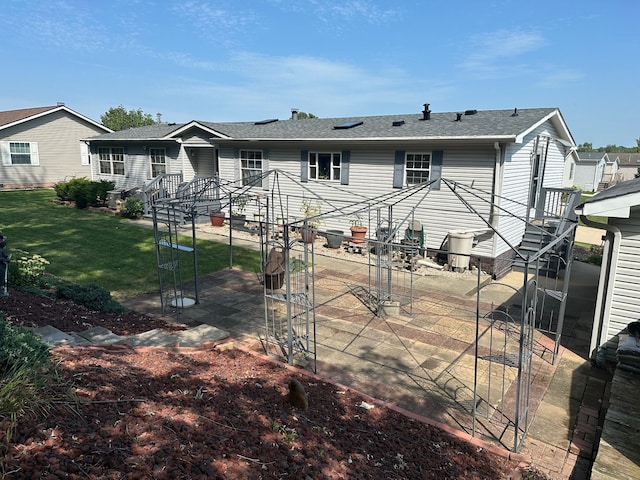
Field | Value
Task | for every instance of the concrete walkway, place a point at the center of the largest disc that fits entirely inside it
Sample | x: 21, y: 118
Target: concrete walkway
x: 425, y: 362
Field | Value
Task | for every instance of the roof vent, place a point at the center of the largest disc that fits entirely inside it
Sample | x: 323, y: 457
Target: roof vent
x: 398, y: 123
x: 60, y: 104
x: 515, y: 112
x: 294, y: 114
x: 458, y: 117
x: 470, y: 112
x: 265, y: 122
x: 346, y: 125
x: 426, y: 113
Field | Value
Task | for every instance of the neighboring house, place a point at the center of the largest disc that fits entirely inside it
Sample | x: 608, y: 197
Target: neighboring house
x: 510, y: 157
x: 589, y: 170
x: 611, y: 174
x: 628, y: 165
x: 41, y: 146
x: 618, y: 301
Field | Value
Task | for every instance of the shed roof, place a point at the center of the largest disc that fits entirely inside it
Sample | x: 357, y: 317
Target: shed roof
x: 615, y: 201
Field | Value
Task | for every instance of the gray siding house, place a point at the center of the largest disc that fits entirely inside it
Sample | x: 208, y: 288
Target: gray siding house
x: 508, y: 157
x: 618, y: 301
x: 41, y: 146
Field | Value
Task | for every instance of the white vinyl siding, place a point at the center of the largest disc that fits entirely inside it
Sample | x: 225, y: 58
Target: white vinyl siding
x: 58, y: 136
x: 625, y: 285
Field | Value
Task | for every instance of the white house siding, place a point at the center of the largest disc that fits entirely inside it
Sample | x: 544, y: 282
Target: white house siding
x: 137, y: 164
x: 625, y: 299
x: 58, y: 136
x: 371, y: 175
x: 517, y: 180
x: 589, y: 174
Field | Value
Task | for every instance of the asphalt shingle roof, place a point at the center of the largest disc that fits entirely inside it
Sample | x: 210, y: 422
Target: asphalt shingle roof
x: 10, y: 116
x: 483, y: 124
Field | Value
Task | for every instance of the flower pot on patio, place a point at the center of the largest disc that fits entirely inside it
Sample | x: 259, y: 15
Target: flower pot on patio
x: 274, y: 270
x: 308, y: 235
x: 217, y: 219
x: 334, y: 238
x: 358, y: 233
x: 237, y: 221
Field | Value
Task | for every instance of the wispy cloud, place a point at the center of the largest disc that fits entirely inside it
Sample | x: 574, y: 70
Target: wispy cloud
x: 497, y: 53
x: 269, y: 85
x: 560, y: 78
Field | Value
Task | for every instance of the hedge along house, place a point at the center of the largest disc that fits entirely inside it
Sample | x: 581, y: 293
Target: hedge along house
x: 511, y: 159
x: 41, y: 146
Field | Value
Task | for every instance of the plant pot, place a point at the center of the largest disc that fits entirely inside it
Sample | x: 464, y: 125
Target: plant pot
x: 237, y: 221
x: 308, y: 235
x: 334, y: 238
x: 274, y: 281
x: 358, y: 234
x: 217, y: 219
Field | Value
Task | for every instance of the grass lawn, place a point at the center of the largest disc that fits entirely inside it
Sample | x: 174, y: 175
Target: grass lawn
x: 91, y: 247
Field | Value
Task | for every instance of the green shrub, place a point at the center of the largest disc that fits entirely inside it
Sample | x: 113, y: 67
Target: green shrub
x: 133, y: 208
x: 83, y: 191
x: 94, y: 297
x: 27, y: 375
x: 20, y: 347
x: 25, y: 269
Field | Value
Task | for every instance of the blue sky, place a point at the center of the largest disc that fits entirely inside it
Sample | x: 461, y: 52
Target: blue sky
x: 243, y: 60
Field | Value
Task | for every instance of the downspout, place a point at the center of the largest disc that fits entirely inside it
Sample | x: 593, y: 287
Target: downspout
x: 496, y: 191
x: 604, y: 297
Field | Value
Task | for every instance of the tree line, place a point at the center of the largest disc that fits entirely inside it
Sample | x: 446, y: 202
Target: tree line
x: 588, y: 147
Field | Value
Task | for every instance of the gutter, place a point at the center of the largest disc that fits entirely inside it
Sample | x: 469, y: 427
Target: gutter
x: 604, y: 298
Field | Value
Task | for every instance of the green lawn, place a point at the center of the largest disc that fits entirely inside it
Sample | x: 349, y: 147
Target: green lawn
x: 91, y: 247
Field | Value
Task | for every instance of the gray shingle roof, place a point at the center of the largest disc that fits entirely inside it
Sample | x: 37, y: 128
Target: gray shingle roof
x: 486, y: 124
x: 618, y: 190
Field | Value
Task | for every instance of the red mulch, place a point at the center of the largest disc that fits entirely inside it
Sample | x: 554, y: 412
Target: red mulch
x: 203, y: 414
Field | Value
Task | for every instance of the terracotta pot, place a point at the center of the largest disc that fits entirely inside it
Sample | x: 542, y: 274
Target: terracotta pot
x: 358, y: 233
x: 308, y: 235
x: 217, y: 219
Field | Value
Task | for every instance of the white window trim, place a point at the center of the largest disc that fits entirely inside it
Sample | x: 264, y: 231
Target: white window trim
x: 5, y: 152
x: 112, y: 162
x: 258, y: 171
x: 152, y: 163
x: 406, y: 168
x: 331, y: 178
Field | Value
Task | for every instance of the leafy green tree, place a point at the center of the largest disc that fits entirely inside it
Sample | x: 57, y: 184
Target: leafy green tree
x: 303, y: 115
x: 118, y: 118
x: 585, y: 147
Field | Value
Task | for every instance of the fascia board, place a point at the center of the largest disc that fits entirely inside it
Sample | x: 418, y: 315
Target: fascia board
x: 193, y: 124
x: 487, y: 138
x: 53, y: 110
x: 618, y: 207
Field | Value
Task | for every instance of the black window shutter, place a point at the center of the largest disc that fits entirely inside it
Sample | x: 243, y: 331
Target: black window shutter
x: 344, y: 167
x: 436, y: 168
x: 304, y: 165
x: 398, y: 169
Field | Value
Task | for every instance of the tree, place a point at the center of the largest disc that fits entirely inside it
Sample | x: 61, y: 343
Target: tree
x: 118, y: 118
x: 585, y: 147
x: 303, y: 115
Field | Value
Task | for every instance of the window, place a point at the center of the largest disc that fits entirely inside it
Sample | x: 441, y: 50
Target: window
x: 111, y: 160
x: 251, y: 166
x: 324, y: 166
x: 158, y: 161
x: 418, y: 166
x: 571, y: 169
x: 19, y: 153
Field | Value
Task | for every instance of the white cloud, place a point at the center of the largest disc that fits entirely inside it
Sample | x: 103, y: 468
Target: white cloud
x: 560, y: 78
x: 494, y: 54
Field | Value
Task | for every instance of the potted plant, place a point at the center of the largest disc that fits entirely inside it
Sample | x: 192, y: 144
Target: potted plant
x: 217, y: 218
x: 311, y: 211
x: 334, y: 238
x: 238, y: 204
x: 358, y: 231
